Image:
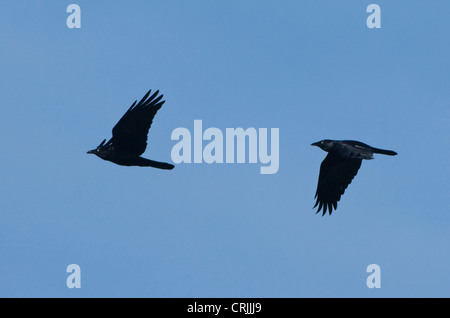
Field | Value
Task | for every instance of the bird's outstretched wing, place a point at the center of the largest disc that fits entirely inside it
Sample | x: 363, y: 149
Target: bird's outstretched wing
x: 130, y: 132
x: 336, y: 173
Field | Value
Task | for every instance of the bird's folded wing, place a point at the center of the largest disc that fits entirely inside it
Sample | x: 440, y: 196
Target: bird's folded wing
x: 130, y: 132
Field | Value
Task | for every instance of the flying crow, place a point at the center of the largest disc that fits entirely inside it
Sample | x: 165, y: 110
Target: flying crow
x: 339, y: 168
x: 129, y: 139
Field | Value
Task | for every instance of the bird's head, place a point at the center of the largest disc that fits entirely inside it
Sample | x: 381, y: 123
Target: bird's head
x: 99, y: 151
x: 325, y: 144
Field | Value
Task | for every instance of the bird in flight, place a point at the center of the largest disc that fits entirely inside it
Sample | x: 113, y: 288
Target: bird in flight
x: 129, y: 139
x: 339, y: 168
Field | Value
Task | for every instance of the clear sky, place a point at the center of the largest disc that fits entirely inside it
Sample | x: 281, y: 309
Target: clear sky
x: 313, y: 69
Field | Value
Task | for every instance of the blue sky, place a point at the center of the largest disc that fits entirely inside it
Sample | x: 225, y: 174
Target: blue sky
x: 310, y: 68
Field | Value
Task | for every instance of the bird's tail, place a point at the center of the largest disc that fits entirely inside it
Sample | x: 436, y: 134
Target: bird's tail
x: 384, y: 152
x: 143, y: 162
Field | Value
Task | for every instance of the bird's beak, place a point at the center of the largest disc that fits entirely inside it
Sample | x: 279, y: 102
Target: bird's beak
x: 315, y: 144
x: 91, y: 151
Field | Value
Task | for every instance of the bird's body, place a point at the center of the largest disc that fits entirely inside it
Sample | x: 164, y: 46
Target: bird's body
x: 339, y: 168
x: 129, y: 139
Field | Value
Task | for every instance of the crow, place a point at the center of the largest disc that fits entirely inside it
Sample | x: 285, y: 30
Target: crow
x: 339, y: 168
x: 129, y: 139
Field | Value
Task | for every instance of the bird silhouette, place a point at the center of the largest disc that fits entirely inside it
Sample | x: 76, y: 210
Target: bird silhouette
x: 338, y: 169
x: 129, y: 139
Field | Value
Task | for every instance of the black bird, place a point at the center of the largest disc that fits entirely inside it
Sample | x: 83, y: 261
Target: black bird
x: 129, y: 138
x: 339, y: 168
